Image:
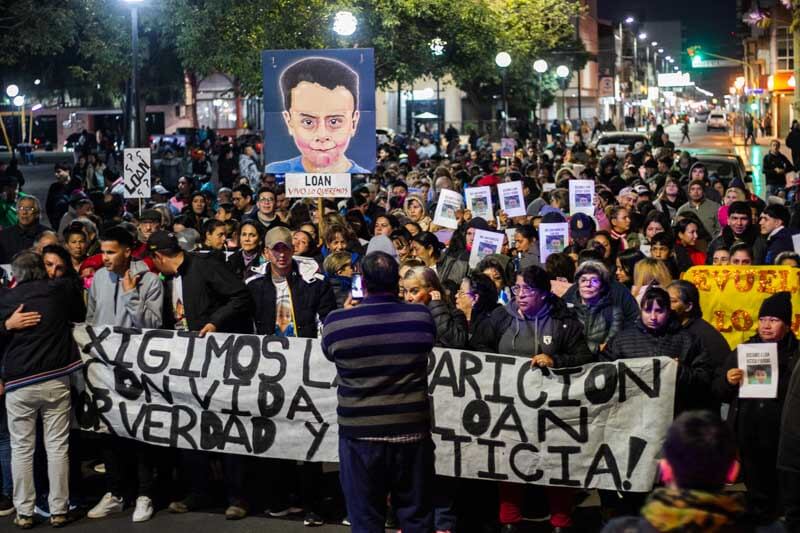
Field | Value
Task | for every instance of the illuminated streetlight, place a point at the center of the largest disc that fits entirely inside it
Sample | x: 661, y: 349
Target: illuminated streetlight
x: 654, y: 43
x: 37, y: 81
x: 12, y: 90
x: 643, y: 36
x: 562, y: 71
x: 540, y: 66
x: 345, y: 23
x: 675, y: 68
x: 503, y: 59
x: 660, y: 50
x: 629, y: 20
x: 19, y: 100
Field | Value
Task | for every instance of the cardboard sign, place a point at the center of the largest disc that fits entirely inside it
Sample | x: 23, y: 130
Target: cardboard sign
x: 136, y: 173
x: 494, y: 416
x: 581, y: 197
x: 447, y: 206
x: 511, y: 199
x: 553, y: 238
x: 479, y: 201
x: 300, y: 185
x: 485, y: 243
x: 760, y: 364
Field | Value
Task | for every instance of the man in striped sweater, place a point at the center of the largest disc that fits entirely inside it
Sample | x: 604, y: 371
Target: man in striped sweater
x: 381, y: 348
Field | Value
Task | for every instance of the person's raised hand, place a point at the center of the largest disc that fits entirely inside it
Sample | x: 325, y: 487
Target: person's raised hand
x: 735, y: 376
x: 436, y: 296
x: 129, y: 281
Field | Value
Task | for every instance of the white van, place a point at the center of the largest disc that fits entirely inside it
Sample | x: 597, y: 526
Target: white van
x: 717, y: 121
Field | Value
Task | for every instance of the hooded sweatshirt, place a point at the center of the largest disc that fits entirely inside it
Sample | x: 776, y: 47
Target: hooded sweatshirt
x: 425, y: 221
x: 553, y: 331
x: 109, y: 304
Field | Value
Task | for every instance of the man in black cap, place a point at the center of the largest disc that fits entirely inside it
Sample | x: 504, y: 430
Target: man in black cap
x: 203, y: 295
x: 739, y: 229
x: 756, y: 421
x: 773, y: 222
x: 581, y: 229
x: 149, y: 222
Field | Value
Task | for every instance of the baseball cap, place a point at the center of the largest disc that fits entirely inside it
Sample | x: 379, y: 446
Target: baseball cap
x: 279, y: 235
x: 163, y: 241
x: 160, y: 189
x: 642, y: 189
x: 581, y: 225
x: 188, y: 239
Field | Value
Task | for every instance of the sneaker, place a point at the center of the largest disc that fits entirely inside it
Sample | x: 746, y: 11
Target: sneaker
x: 109, y: 504
x: 100, y: 468
x: 312, y: 519
x: 144, y: 509
x: 59, y: 520
x: 23, y: 522
x: 346, y: 521
x: 235, y: 512
x: 6, y: 505
x: 189, y: 503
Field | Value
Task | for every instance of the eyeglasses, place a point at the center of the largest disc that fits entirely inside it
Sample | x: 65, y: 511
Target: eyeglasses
x: 518, y: 290
x: 585, y: 280
x: 464, y: 293
x: 266, y: 200
x: 27, y: 209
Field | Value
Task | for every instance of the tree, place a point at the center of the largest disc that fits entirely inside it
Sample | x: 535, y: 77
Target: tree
x: 30, y: 28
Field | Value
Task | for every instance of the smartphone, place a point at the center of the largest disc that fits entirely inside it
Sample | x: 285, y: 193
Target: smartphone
x: 356, y: 290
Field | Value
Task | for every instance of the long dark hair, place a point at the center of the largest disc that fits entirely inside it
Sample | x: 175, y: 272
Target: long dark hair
x: 486, y: 291
x: 428, y: 240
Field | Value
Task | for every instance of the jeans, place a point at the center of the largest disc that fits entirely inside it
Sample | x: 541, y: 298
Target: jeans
x: 5, y: 451
x: 790, y: 492
x: 51, y: 399
x: 370, y: 470
x: 196, y: 465
x: 128, y: 461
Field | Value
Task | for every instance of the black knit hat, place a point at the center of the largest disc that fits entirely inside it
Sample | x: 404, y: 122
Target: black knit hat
x: 778, y: 305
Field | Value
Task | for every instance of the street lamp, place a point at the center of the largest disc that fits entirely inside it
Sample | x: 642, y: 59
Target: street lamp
x: 12, y: 90
x: 629, y: 20
x: 654, y: 43
x: 37, y: 81
x: 345, y: 23
x: 562, y: 73
x: 540, y: 66
x: 642, y: 36
x: 503, y: 60
x: 134, y: 133
x: 19, y: 101
x: 437, y: 46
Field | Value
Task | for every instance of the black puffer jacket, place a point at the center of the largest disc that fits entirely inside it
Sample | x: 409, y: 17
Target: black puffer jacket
x: 601, y: 321
x: 728, y: 238
x: 695, y: 368
x: 789, y: 444
x: 555, y: 331
x: 451, y: 325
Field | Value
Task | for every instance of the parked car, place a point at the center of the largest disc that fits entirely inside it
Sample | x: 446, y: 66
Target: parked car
x: 726, y: 165
x: 701, y: 116
x: 622, y: 141
x: 717, y: 121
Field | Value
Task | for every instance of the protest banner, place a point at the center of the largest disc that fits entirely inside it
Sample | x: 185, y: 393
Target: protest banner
x: 512, y: 200
x: 485, y: 243
x: 760, y: 364
x: 553, y: 238
x: 581, y: 197
x: 494, y: 416
x: 300, y: 185
x: 319, y: 111
x: 730, y: 296
x: 449, y: 203
x: 136, y: 173
x: 479, y: 202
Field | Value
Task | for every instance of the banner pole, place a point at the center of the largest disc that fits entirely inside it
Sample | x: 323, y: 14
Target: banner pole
x: 320, y: 212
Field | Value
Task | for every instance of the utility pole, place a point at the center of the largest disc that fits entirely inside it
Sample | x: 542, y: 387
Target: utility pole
x: 795, y: 11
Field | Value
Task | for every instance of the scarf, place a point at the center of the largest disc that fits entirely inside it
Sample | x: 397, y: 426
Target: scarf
x: 689, y: 511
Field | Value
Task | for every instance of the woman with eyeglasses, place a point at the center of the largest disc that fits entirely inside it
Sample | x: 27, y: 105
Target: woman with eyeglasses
x: 477, y: 299
x: 537, y: 325
x: 593, y: 306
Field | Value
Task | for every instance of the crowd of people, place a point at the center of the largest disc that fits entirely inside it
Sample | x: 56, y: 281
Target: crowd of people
x: 220, y: 248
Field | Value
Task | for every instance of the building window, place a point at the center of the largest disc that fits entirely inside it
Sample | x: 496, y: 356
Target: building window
x: 783, y: 42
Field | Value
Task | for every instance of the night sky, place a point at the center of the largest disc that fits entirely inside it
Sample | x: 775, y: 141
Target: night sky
x: 708, y: 23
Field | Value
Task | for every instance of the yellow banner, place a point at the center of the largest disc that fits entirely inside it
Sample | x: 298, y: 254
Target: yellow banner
x: 730, y: 296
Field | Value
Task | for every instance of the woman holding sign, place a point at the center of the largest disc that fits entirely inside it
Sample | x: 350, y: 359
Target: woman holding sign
x: 757, y: 420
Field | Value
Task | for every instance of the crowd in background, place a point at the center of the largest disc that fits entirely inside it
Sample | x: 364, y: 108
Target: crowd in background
x: 220, y: 247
